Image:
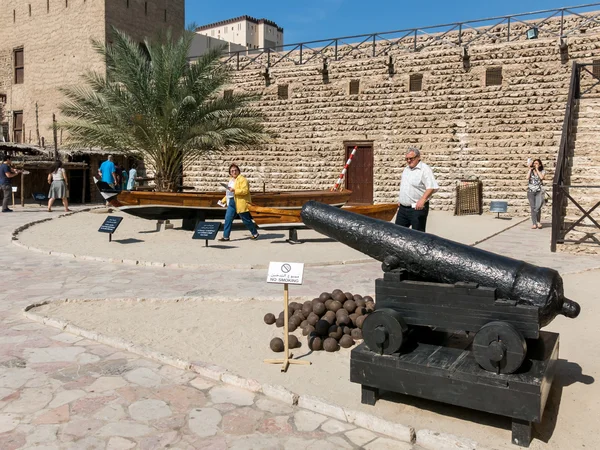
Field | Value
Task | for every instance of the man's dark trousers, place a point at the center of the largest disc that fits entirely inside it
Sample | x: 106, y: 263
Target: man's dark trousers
x: 410, y: 217
x: 6, y: 195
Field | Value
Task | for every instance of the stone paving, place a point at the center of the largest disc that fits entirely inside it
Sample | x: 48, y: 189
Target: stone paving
x: 60, y: 391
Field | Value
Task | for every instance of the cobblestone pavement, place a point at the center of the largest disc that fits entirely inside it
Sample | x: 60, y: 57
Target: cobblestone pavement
x: 59, y: 391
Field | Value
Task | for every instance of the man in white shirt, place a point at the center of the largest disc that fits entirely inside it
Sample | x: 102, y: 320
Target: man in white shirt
x: 416, y: 188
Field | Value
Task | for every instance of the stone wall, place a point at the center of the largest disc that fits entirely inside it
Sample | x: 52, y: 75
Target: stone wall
x: 56, y: 39
x: 464, y: 128
x: 140, y: 21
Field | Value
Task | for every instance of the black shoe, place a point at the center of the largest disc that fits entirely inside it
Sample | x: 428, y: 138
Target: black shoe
x: 223, y: 239
x: 255, y: 237
x: 7, y: 210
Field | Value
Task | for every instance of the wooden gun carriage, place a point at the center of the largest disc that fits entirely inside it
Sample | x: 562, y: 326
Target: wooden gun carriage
x: 503, y: 364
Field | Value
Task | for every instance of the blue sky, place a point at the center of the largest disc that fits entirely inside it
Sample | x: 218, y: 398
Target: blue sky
x: 309, y: 20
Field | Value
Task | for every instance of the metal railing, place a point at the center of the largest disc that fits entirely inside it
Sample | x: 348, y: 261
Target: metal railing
x: 561, y: 189
x: 458, y: 34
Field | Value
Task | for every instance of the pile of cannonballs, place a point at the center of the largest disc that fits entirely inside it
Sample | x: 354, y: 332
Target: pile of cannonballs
x: 331, y: 321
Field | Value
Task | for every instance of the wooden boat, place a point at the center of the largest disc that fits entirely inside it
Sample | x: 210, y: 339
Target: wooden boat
x: 204, y: 205
x: 276, y: 217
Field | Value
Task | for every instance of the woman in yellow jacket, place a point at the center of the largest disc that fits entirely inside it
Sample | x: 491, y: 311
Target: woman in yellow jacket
x: 237, y: 198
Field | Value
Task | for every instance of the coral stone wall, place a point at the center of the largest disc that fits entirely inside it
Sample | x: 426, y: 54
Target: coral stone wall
x: 56, y: 39
x: 464, y: 128
x: 144, y: 18
x: 56, y: 47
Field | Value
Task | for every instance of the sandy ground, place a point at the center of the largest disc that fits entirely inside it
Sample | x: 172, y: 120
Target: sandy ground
x: 137, y: 240
x: 233, y: 335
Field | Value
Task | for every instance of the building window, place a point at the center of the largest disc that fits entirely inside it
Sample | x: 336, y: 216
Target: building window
x: 146, y: 8
x: 3, y: 98
x: 354, y: 87
x: 19, y: 66
x: 415, y: 82
x: 596, y: 68
x: 228, y: 94
x: 30, y: 10
x: 47, y: 6
x: 165, y: 14
x: 493, y: 76
x: 282, y: 92
x: 18, y: 127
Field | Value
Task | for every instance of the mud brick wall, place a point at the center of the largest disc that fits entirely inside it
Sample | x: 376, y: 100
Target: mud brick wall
x: 464, y: 128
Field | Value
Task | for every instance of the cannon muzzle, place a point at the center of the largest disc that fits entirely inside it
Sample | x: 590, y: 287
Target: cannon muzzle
x: 436, y: 259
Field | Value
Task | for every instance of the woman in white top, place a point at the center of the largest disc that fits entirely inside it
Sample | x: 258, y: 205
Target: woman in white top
x: 57, y: 179
x: 535, y: 191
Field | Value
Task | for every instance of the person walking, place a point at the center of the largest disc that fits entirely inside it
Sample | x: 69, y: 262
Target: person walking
x: 59, y: 186
x: 416, y: 188
x: 108, y: 172
x: 535, y: 191
x: 131, y: 177
x: 6, y: 173
x: 236, y: 200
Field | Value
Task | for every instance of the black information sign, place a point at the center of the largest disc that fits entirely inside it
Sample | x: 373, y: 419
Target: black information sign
x: 110, y: 224
x: 206, y: 230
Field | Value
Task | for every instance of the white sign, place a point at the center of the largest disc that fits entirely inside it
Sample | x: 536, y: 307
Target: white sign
x: 285, y: 272
x: 14, y: 188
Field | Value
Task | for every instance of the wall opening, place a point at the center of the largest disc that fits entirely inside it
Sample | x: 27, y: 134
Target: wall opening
x: 415, y: 82
x: 493, y: 76
x: 282, y: 92
x: 354, y: 87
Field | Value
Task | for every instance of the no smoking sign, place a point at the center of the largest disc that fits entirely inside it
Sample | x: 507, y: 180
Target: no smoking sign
x: 285, y: 272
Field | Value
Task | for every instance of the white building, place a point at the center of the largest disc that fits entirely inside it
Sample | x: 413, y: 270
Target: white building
x: 246, y: 31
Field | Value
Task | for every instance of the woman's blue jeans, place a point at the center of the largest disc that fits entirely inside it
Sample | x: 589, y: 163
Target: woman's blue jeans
x: 230, y: 215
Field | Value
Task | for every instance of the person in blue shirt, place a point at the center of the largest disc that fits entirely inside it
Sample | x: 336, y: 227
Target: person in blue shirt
x: 107, y: 172
x: 6, y: 173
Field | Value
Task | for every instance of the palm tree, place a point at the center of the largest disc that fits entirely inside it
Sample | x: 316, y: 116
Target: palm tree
x: 153, y: 102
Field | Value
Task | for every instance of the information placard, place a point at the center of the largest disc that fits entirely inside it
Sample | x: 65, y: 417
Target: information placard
x: 110, y: 224
x: 206, y: 230
x: 285, y: 272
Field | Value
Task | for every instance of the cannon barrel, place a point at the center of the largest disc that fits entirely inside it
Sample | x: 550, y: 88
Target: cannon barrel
x: 441, y: 260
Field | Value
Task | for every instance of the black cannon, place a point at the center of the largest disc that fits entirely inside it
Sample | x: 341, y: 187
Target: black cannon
x: 435, y: 282
x: 437, y: 286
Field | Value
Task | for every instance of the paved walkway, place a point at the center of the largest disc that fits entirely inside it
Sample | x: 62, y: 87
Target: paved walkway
x: 59, y: 391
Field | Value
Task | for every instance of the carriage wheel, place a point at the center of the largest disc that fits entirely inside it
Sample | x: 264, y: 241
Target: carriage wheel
x: 499, y: 347
x: 384, y: 330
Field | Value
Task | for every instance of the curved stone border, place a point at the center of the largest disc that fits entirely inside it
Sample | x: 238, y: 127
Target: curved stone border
x: 424, y: 438
x: 133, y: 262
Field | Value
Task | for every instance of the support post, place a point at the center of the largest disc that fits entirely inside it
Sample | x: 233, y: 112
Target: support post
x: 55, y: 137
x: 287, y: 360
x: 23, y: 187
x: 84, y: 179
x: 37, y: 125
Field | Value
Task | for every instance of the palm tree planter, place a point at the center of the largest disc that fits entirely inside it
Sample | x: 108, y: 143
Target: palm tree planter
x: 154, y: 103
